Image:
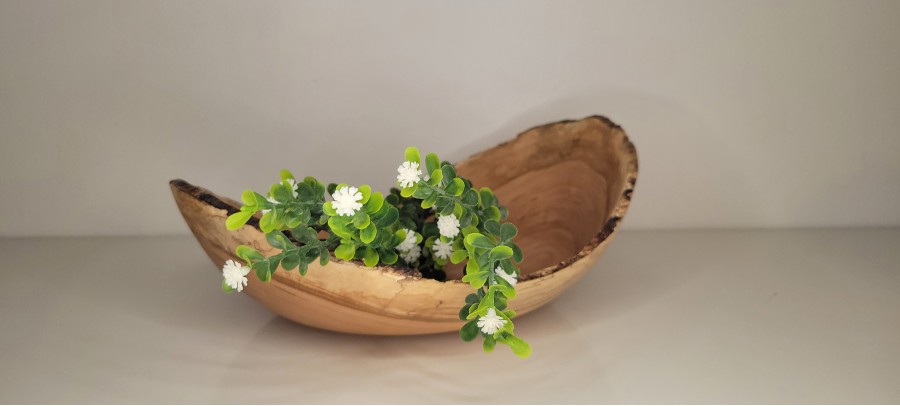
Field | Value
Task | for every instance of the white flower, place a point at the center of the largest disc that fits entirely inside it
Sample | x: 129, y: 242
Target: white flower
x: 490, y: 323
x: 442, y: 249
x: 448, y: 225
x: 412, y: 255
x: 235, y: 275
x: 408, y: 174
x: 346, y: 201
x: 409, y: 242
x: 511, y: 278
x: 293, y: 184
x: 271, y: 200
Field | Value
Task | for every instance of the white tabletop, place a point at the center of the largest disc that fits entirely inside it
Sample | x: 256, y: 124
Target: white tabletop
x: 674, y: 316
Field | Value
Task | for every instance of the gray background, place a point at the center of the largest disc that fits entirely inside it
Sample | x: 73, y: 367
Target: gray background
x: 745, y: 114
x: 754, y: 114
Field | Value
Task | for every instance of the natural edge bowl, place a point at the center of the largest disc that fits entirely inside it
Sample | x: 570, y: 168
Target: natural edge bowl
x: 567, y: 186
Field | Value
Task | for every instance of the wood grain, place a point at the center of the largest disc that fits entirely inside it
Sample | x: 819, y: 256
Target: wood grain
x: 567, y: 185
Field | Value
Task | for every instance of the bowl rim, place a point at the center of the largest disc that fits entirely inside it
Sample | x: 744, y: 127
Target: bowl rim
x: 609, y: 227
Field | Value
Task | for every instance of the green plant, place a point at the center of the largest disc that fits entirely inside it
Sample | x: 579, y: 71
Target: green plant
x: 425, y: 223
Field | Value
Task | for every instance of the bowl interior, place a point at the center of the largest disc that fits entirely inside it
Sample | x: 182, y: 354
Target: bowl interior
x: 561, y: 183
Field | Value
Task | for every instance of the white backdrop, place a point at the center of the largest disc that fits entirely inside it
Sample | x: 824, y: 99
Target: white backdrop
x: 745, y: 114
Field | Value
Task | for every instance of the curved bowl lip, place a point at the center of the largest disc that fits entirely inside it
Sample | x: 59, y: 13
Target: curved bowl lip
x: 609, y: 226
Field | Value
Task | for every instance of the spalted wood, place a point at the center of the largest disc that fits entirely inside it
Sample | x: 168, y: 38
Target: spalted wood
x: 567, y: 185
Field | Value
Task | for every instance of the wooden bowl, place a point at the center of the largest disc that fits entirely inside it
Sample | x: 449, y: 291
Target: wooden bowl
x: 567, y: 186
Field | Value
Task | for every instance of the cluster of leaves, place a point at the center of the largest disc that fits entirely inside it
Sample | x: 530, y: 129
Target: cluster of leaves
x: 483, y: 243
x: 371, y: 234
x: 305, y: 227
x: 488, y: 251
x: 414, y: 217
x: 292, y: 209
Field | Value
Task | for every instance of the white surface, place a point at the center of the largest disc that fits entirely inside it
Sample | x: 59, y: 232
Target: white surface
x: 753, y: 113
x: 664, y: 317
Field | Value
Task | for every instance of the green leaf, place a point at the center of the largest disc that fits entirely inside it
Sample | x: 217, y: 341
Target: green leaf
x: 292, y: 219
x: 470, y: 197
x: 448, y: 172
x: 328, y: 209
x: 435, y: 177
x: 345, y: 251
x: 458, y: 256
x: 505, y: 288
x: 443, y: 201
x: 487, y: 197
x: 429, y: 201
x: 323, y: 256
x: 236, y: 220
x: 422, y: 192
x: 473, y: 267
x: 466, y: 219
x: 518, y: 346
x: 338, y: 226
x: 459, y: 211
x: 456, y: 187
x: 464, y: 313
x: 252, y: 199
x: 432, y: 163
x: 273, y: 263
x: 305, y: 192
x: 501, y: 252
x: 471, y: 298
x: 469, y: 230
x: 267, y: 222
x: 226, y: 287
x: 492, y: 213
x: 375, y: 202
x: 408, y: 191
x: 285, y: 175
x: 263, y: 273
x: 393, y: 198
x: 389, y: 218
x: 487, y: 302
x: 492, y: 226
x: 248, y: 254
x: 518, y: 255
x: 371, y: 257
x: 447, y: 210
x: 469, y: 331
x: 317, y: 186
x: 508, y: 231
x: 281, y: 193
x: 291, y: 260
x: 489, y: 343
x: 367, y: 235
x: 274, y: 240
x: 480, y: 241
x: 477, y: 279
x: 366, y: 192
x: 389, y: 256
x: 303, y: 217
x: 361, y: 220
x: 304, y: 267
x: 412, y: 155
